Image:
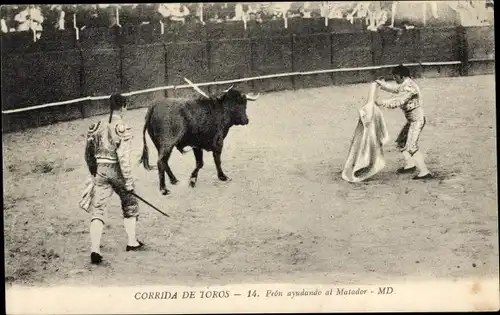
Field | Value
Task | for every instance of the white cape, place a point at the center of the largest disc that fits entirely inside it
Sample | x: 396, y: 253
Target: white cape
x: 366, y: 156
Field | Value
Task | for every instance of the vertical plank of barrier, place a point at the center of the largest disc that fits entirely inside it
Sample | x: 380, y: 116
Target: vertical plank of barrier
x: 209, y: 61
x: 82, y: 79
x: 375, y: 51
x: 463, y: 50
x: 420, y: 69
x: 332, y: 54
x: 81, y: 72
x: 165, y: 75
x: 373, y: 55
x: 119, y: 43
x: 252, y: 63
x: 293, y: 39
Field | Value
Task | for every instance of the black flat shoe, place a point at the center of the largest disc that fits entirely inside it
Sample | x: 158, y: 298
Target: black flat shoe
x: 403, y: 170
x: 95, y: 258
x: 135, y: 248
x: 426, y: 176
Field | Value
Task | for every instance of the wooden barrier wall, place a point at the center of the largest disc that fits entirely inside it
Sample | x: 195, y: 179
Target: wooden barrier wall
x: 109, y: 60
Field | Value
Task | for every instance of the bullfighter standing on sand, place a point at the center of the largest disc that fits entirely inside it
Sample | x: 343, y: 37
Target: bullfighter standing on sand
x: 107, y: 154
x: 411, y: 104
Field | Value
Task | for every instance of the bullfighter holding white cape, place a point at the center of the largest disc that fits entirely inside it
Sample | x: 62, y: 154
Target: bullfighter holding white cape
x: 365, y: 157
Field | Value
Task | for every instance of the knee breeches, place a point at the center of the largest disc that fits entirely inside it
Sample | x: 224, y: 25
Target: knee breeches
x: 108, y: 180
x: 409, y: 136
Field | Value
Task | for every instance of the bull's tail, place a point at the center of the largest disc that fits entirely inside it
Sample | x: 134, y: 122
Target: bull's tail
x: 145, y: 152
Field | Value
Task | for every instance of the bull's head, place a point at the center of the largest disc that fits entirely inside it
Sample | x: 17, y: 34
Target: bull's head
x: 236, y: 104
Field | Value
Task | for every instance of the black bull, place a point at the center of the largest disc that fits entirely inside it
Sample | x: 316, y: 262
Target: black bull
x: 201, y: 123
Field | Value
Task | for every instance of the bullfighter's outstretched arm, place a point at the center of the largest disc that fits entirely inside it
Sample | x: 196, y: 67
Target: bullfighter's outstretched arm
x: 388, y: 87
x: 124, y: 133
x: 406, y: 94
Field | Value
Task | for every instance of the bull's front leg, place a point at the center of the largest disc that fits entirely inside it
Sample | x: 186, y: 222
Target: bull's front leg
x: 198, y: 155
x: 217, y: 159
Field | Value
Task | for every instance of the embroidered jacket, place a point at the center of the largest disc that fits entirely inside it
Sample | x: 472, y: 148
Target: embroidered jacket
x: 408, y: 99
x: 109, y: 143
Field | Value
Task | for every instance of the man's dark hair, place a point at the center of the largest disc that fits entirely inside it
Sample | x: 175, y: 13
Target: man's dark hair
x: 402, y: 71
x: 116, y: 102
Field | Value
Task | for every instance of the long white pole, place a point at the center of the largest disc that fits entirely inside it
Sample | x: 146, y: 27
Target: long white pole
x: 270, y: 76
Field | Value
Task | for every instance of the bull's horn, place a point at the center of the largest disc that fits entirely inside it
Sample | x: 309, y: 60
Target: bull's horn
x: 252, y: 97
x: 225, y: 91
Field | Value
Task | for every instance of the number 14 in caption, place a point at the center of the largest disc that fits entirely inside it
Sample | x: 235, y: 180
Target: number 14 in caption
x: 252, y: 293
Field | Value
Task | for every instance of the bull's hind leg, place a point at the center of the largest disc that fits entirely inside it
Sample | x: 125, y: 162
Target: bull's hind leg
x: 171, y: 176
x: 198, y: 155
x: 161, y: 175
x: 163, y: 168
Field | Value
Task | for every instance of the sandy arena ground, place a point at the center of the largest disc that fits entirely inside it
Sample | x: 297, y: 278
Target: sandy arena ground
x: 286, y: 215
